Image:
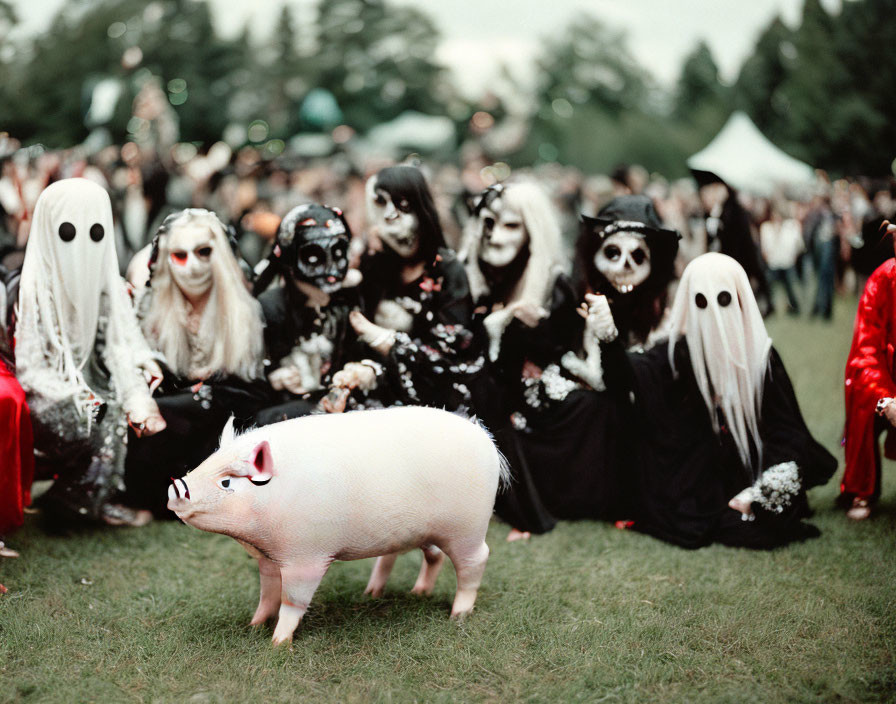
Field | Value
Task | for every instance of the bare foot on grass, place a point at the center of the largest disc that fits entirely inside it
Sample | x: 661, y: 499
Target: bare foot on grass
x: 515, y: 535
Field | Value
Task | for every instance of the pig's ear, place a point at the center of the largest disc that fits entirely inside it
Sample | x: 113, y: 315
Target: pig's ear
x: 228, y: 434
x: 261, y: 464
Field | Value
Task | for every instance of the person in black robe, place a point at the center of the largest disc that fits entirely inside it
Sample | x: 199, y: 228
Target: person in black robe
x: 205, y: 329
x: 627, y: 255
x: 416, y: 301
x: 718, y: 448
x: 309, y: 339
x: 526, y: 315
x: 729, y: 230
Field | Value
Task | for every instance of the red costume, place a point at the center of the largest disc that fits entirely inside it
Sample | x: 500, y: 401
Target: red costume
x: 870, y: 376
x: 16, y: 452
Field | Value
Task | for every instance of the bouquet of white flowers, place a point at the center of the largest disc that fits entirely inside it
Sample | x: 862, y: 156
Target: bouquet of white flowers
x: 776, y: 487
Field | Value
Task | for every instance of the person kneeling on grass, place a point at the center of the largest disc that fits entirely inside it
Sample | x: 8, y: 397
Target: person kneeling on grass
x: 720, y: 450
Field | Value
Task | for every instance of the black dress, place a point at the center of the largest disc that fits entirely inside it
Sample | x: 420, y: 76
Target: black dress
x: 288, y: 319
x: 683, y: 474
x: 434, y: 360
x: 195, y: 412
x: 537, y: 414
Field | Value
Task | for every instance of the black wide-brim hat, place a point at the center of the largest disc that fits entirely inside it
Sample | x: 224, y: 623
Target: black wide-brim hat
x: 635, y: 214
x: 705, y: 178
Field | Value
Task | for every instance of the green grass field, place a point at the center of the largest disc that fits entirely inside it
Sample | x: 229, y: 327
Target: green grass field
x: 586, y: 613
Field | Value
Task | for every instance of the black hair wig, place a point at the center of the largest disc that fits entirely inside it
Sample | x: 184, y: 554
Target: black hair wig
x: 641, y: 310
x: 408, y: 182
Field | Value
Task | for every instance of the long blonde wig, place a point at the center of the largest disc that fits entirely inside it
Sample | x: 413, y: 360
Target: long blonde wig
x: 545, y: 248
x: 231, y: 327
x: 728, y: 344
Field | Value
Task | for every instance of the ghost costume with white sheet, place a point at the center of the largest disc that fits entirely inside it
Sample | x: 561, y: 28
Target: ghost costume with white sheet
x: 719, y: 451
x: 80, y: 355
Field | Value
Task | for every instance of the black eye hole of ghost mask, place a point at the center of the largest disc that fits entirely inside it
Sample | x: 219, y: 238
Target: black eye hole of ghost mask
x: 700, y: 300
x: 96, y: 232
x: 724, y: 298
x: 67, y: 232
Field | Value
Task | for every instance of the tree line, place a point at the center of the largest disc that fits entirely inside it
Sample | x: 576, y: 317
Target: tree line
x: 821, y: 90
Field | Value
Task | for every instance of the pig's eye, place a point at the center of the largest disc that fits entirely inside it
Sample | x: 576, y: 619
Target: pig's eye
x: 224, y: 483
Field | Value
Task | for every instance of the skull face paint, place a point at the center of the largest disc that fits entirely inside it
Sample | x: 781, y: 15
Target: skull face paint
x: 504, y: 234
x: 318, y: 239
x: 624, y: 260
x: 398, y: 225
x: 189, y: 254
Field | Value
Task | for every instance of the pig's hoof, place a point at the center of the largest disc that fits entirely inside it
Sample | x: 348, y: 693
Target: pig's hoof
x: 422, y: 590
x: 375, y: 592
x: 282, y: 640
x: 460, y: 615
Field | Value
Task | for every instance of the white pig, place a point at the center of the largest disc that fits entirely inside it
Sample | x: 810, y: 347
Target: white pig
x: 304, y: 492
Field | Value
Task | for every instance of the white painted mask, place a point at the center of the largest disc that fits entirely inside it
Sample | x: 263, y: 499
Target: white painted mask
x: 624, y: 260
x: 503, y: 233
x: 397, y: 224
x: 189, y: 258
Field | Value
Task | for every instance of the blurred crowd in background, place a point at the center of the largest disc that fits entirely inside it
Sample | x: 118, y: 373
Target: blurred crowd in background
x: 330, y: 92
x: 832, y: 231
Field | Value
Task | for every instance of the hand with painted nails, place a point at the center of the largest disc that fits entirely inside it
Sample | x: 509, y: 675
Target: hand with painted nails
x: 144, y: 417
x: 144, y: 426
x: 152, y: 372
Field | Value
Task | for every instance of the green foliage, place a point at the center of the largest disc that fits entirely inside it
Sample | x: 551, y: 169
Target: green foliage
x: 586, y: 613
x: 758, y: 87
x: 699, y: 87
x: 378, y: 62
x: 821, y: 90
x: 589, y: 64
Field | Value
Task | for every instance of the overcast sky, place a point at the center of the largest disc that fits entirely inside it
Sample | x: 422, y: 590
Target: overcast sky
x: 477, y: 34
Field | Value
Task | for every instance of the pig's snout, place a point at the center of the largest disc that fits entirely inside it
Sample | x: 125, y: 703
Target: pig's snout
x: 178, y: 490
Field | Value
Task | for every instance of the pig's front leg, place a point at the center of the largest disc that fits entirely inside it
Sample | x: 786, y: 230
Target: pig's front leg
x: 269, y: 572
x: 299, y: 582
x: 269, y: 601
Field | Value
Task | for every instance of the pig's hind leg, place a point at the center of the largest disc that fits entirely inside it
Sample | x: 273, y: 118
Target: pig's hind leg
x: 381, y: 571
x: 269, y: 601
x: 433, y: 558
x: 299, y: 583
x: 469, y: 558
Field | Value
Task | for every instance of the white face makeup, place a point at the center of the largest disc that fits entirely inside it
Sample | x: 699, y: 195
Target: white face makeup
x: 504, y: 234
x: 713, y: 195
x: 398, y: 225
x: 189, y: 258
x: 624, y: 260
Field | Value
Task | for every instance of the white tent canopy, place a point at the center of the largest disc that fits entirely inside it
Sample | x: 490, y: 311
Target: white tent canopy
x: 742, y: 156
x: 414, y: 130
